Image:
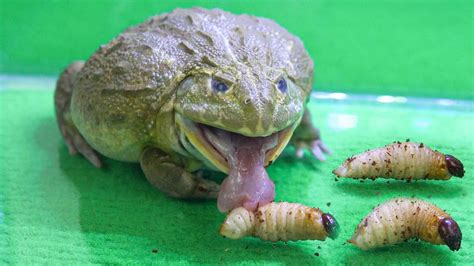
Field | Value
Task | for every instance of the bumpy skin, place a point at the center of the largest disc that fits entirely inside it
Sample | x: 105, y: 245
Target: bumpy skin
x: 400, y: 219
x: 401, y: 160
x: 124, y: 100
x: 280, y: 222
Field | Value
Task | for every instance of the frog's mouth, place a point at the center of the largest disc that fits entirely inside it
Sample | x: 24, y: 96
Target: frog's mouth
x: 243, y: 158
x: 210, y: 143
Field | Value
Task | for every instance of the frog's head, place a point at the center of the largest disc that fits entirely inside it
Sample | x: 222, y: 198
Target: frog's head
x: 247, y: 86
x: 246, y: 104
x: 222, y: 116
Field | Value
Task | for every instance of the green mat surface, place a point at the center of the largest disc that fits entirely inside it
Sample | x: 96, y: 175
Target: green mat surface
x: 59, y: 209
x: 416, y: 47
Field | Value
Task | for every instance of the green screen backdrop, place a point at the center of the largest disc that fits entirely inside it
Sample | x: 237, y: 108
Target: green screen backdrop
x: 421, y: 48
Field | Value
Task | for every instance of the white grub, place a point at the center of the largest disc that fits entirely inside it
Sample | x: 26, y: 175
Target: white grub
x: 401, y: 160
x: 280, y: 222
x: 400, y: 219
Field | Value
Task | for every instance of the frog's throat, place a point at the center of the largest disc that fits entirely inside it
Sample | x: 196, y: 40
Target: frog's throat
x: 193, y: 133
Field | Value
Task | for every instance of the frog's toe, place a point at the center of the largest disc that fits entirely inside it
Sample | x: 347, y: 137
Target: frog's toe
x: 206, y: 189
x: 317, y: 148
x: 318, y: 153
x: 300, y: 147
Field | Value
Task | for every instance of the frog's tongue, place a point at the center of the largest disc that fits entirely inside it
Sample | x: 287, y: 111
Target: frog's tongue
x: 248, y: 184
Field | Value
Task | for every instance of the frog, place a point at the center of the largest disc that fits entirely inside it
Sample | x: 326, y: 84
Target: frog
x: 189, y: 90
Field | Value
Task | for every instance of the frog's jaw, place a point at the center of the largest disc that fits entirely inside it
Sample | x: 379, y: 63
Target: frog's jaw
x: 190, y: 133
x: 284, y: 137
x: 198, y: 135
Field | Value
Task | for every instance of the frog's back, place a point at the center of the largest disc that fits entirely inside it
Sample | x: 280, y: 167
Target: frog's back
x: 127, y: 88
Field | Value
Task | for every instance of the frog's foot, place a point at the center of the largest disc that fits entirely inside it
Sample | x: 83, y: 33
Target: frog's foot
x: 62, y: 101
x: 307, y: 136
x: 316, y: 147
x: 171, y: 179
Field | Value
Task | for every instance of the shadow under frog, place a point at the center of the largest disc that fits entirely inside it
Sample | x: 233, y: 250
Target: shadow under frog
x: 123, y: 218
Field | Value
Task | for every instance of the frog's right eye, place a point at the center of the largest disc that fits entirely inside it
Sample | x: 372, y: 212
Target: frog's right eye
x: 282, y: 85
x: 219, y: 86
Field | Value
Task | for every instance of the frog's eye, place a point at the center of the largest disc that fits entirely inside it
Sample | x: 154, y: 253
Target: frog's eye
x: 219, y: 86
x: 282, y: 86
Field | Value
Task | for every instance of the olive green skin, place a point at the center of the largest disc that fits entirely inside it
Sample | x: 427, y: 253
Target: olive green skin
x: 126, y: 96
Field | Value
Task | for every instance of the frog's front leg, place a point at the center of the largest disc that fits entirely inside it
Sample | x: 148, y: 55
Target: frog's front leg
x: 307, y: 136
x: 166, y: 174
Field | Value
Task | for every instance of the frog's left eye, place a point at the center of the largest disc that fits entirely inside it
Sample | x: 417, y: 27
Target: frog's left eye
x: 219, y: 86
x: 282, y: 86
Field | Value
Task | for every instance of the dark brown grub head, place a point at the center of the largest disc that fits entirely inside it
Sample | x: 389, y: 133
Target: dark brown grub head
x: 330, y: 225
x: 455, y: 166
x: 449, y: 231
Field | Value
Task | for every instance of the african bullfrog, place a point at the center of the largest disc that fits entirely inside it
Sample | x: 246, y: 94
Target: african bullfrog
x: 193, y: 89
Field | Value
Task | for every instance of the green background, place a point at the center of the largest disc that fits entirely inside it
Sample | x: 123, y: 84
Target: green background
x: 56, y: 208
x: 422, y: 48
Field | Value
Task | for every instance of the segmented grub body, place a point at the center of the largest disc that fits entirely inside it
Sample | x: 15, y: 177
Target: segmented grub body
x: 401, y: 160
x: 400, y: 219
x: 280, y: 222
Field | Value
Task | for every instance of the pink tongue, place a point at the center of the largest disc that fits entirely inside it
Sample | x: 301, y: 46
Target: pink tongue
x: 248, y: 184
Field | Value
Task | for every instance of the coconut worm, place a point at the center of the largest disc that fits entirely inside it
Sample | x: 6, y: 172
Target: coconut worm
x: 280, y: 222
x: 401, y: 219
x: 401, y: 160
